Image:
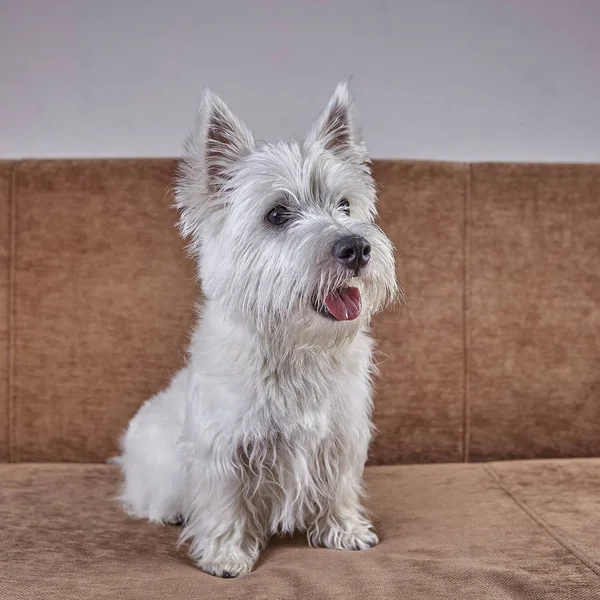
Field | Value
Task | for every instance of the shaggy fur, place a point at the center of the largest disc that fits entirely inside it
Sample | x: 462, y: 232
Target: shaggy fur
x: 266, y: 429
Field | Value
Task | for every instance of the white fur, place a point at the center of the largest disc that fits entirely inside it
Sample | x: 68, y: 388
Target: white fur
x: 266, y: 429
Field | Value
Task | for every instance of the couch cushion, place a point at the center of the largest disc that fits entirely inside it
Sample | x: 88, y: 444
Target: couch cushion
x: 448, y: 532
x: 104, y: 293
x: 562, y: 496
x: 104, y: 299
x: 534, y: 311
x: 419, y: 396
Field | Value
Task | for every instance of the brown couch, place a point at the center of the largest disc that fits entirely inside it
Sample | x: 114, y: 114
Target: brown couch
x: 483, y: 480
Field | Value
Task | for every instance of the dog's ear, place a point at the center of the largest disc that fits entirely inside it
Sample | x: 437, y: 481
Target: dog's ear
x: 219, y: 140
x: 336, y: 129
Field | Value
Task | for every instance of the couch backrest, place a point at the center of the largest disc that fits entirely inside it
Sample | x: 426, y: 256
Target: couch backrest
x: 497, y: 354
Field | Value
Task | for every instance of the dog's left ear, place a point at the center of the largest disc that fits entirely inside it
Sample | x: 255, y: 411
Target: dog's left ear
x: 336, y: 129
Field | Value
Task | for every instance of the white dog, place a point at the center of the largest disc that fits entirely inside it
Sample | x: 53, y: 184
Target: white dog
x: 266, y: 429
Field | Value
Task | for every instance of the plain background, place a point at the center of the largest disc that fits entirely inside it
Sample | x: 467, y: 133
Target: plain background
x: 447, y: 79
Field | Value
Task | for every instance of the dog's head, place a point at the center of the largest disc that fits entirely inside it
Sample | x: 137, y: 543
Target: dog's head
x: 285, y: 232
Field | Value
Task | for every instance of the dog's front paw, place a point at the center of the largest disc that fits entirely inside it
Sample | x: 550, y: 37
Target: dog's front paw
x: 354, y: 537
x: 227, y: 566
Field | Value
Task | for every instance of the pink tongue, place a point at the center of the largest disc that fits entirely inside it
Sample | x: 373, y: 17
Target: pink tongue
x: 344, y: 304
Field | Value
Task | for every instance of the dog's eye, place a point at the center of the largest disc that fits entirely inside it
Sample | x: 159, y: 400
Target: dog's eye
x: 344, y: 206
x: 278, y: 215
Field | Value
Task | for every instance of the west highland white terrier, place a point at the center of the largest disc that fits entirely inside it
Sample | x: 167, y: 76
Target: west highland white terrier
x: 266, y: 429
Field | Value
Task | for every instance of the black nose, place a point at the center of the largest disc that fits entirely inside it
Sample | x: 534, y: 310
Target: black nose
x: 352, y: 251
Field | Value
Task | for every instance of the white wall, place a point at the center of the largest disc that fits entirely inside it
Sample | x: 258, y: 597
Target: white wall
x: 445, y: 79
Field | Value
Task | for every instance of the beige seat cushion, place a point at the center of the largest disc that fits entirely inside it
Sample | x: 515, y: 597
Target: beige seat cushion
x: 457, y: 531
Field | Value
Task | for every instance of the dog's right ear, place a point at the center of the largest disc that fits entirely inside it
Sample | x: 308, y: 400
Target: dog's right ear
x: 216, y: 145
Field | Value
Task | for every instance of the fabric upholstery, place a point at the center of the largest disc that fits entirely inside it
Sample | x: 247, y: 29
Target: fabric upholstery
x: 419, y: 396
x: 104, y: 296
x: 496, y: 354
x: 6, y: 176
x: 564, y: 496
x: 104, y: 299
x: 534, y: 318
x: 448, y: 532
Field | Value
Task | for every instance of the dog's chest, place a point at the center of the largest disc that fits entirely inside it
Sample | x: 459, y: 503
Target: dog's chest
x: 289, y: 474
x: 298, y: 437
x: 302, y: 398
x: 294, y: 417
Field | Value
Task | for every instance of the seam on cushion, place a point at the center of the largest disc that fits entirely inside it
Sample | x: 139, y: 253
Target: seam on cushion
x: 9, y: 250
x: 466, y: 420
x: 563, y: 541
x: 11, y: 314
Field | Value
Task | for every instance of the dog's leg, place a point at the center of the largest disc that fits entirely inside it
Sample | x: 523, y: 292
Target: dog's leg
x: 343, y: 525
x: 225, y: 540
